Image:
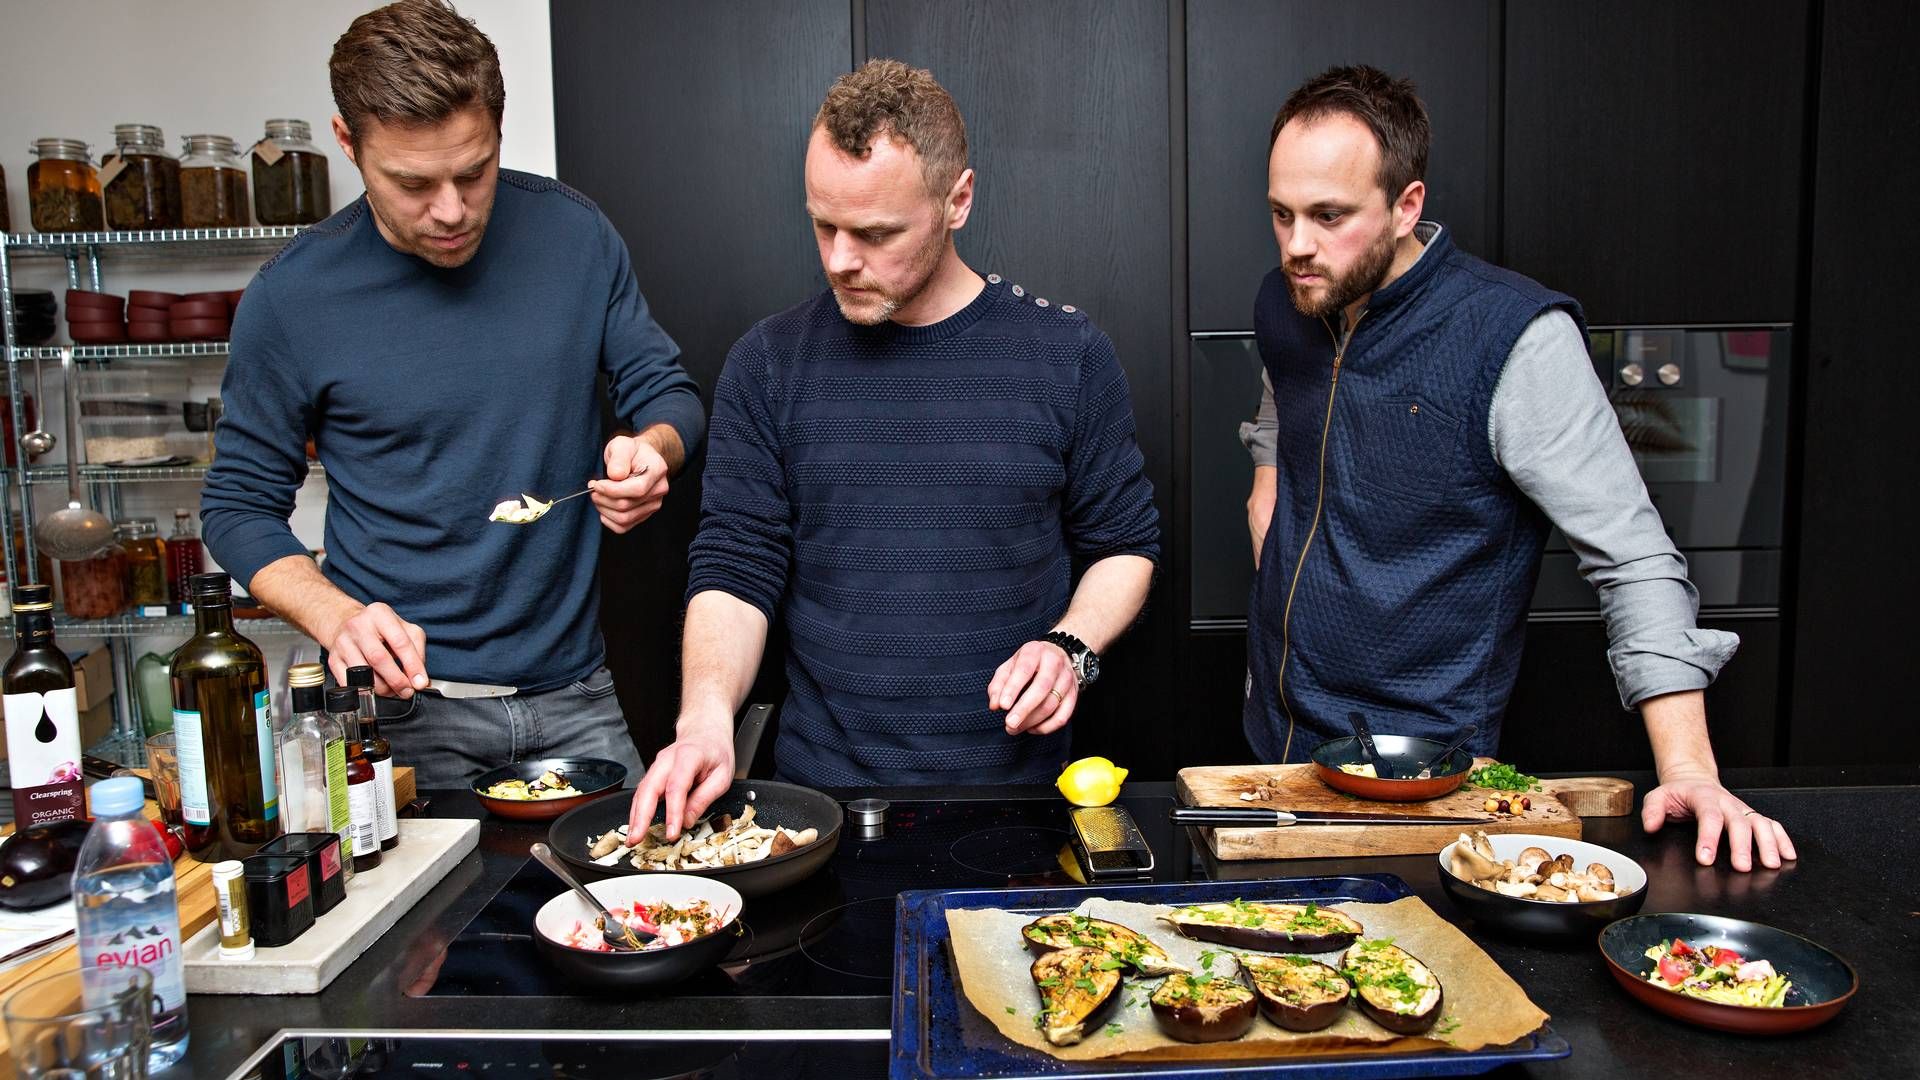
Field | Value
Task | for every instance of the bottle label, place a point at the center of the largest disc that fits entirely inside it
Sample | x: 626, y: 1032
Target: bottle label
x: 383, y: 794
x: 366, y: 816
x: 187, y: 741
x: 269, y: 763
x: 115, y: 933
x: 46, y: 771
x: 339, y: 811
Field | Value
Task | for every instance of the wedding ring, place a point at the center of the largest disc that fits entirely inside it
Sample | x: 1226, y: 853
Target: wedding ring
x: 1750, y: 813
x: 1057, y: 697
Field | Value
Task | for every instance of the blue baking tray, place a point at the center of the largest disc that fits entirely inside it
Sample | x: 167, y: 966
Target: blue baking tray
x: 937, y: 1035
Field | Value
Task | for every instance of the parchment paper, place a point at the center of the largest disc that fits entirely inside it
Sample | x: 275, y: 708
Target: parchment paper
x: 1483, y: 1006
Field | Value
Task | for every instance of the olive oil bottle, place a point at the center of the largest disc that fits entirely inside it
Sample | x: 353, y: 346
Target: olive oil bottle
x: 223, y: 730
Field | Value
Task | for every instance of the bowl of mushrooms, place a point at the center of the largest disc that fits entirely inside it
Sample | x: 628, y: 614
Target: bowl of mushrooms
x: 1546, y: 886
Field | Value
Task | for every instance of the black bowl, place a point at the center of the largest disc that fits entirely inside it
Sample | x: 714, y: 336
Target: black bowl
x: 648, y: 967
x: 1404, y: 754
x: 788, y: 805
x: 593, y: 776
x: 1545, y: 918
x: 1822, y: 981
x: 34, y: 300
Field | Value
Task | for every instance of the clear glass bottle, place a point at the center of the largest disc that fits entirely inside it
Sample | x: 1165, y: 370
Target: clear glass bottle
x: 313, y: 759
x: 183, y: 558
x: 213, y: 184
x: 344, y: 703
x: 63, y: 188
x: 223, y: 729
x: 290, y: 176
x: 125, y: 910
x: 143, y: 180
x: 380, y: 753
x: 146, y: 562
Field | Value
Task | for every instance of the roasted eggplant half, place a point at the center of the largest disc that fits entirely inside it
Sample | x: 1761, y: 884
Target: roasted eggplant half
x: 1297, y: 993
x: 1078, y: 987
x: 1197, y: 1009
x: 1247, y: 924
x: 1393, y: 989
x: 1070, y: 931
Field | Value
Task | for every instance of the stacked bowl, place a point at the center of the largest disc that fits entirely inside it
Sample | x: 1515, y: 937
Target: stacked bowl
x: 147, y: 316
x: 33, y: 317
x: 96, y: 318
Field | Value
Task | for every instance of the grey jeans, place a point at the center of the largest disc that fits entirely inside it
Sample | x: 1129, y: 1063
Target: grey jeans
x: 449, y: 743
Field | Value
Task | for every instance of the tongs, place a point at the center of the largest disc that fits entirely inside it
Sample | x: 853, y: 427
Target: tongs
x: 1259, y: 817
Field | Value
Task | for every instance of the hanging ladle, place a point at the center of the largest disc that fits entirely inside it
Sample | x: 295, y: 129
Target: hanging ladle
x: 76, y: 533
x: 39, y: 440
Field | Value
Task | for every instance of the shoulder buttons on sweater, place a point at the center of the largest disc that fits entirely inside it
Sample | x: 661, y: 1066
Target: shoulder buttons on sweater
x: 1040, y: 301
x: 993, y: 279
x: 1018, y: 291
x: 1068, y: 308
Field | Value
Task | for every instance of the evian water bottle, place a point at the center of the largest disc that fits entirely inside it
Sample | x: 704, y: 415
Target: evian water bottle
x: 124, y: 904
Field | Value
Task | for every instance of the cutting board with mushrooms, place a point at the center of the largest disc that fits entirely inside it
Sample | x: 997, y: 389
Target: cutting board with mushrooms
x: 1297, y: 788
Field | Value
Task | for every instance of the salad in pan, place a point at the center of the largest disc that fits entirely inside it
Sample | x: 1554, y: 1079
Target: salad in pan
x: 1714, y: 974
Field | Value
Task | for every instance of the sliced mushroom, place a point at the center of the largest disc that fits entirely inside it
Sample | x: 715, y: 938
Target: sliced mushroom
x: 1551, y: 892
x: 1483, y: 846
x: 1590, y: 893
x: 1471, y: 865
x: 605, y: 845
x: 1531, y: 858
x: 1600, y: 873
x: 1507, y: 888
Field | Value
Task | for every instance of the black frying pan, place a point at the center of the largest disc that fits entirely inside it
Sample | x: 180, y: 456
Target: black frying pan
x: 786, y: 805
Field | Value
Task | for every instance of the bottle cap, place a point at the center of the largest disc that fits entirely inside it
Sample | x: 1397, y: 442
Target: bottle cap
x: 210, y: 585
x: 343, y: 699
x: 306, y: 675
x: 360, y: 676
x: 120, y: 795
x: 33, y: 598
x: 244, y: 952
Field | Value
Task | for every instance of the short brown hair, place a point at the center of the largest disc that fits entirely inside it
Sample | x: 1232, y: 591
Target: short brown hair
x: 886, y: 97
x: 414, y: 62
x: 1388, y: 106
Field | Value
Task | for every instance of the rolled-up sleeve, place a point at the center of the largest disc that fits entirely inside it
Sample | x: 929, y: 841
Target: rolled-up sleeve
x: 1109, y: 500
x: 1554, y: 431
x: 1261, y: 435
x: 745, y: 542
x: 260, y: 457
x: 644, y: 375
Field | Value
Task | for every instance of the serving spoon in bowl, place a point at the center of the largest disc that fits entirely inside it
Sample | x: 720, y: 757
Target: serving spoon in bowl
x: 617, y: 934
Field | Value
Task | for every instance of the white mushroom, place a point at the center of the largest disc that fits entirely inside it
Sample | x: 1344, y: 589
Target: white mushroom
x: 1507, y: 888
x: 1600, y: 873
x: 1589, y: 893
x: 1531, y: 859
x: 1483, y: 846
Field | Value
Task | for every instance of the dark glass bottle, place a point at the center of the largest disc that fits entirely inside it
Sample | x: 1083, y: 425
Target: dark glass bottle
x: 223, y: 730
x: 380, y: 752
x: 364, y: 806
x: 42, y: 716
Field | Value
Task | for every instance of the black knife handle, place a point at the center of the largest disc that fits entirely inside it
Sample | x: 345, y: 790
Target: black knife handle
x: 1227, y: 817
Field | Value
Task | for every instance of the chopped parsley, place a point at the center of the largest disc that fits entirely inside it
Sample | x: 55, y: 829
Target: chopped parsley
x: 1010, y: 1011
x: 1114, y: 1029
x: 1085, y: 984
x: 1207, y: 958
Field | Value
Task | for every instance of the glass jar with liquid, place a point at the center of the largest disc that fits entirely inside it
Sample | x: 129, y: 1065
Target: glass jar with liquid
x: 63, y: 188
x: 141, y: 180
x: 213, y: 184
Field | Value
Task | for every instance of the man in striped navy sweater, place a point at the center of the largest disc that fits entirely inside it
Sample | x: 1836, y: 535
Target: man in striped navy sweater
x: 906, y: 468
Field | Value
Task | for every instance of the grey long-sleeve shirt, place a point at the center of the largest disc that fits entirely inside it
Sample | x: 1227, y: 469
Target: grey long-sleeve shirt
x: 1554, y: 432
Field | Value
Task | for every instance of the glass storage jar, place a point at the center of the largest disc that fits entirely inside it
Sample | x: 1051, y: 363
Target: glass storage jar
x: 213, y: 184
x: 6, y: 219
x: 95, y: 588
x: 146, y: 561
x: 63, y: 188
x: 142, y: 180
x: 289, y: 176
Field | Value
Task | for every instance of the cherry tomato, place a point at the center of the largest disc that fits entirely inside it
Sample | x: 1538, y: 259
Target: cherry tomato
x: 1674, y: 970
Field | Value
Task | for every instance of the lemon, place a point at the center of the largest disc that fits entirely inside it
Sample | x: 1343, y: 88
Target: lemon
x: 1091, y: 781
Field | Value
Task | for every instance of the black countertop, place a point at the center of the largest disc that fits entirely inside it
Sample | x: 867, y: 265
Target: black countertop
x: 1855, y: 888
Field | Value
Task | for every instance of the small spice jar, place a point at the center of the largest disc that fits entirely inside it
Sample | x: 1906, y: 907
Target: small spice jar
x: 63, y: 188
x: 321, y: 850
x: 95, y: 588
x: 213, y: 184
x: 279, y: 898
x: 141, y: 180
x: 289, y: 176
x: 146, y: 562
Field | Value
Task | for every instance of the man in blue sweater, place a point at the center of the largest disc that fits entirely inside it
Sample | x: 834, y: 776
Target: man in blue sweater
x: 440, y: 340
x: 1427, y: 417
x: 906, y: 468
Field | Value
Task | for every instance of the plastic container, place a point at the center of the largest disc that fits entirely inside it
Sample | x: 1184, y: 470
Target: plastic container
x: 123, y: 893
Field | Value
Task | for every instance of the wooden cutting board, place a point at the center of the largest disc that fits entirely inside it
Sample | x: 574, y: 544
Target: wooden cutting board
x: 1298, y: 787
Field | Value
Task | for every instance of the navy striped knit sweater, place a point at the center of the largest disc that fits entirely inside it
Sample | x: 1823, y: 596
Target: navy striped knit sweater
x: 912, y: 501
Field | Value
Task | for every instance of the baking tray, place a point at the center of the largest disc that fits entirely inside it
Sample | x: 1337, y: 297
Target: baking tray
x: 933, y: 1025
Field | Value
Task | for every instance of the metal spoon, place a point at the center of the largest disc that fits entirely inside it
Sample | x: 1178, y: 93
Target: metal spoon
x: 1426, y: 767
x: 617, y: 934
x: 39, y: 440
x: 548, y: 508
x: 1367, y: 752
x: 76, y: 533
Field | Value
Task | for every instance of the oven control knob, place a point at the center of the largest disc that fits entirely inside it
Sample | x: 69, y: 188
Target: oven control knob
x: 1633, y: 375
x: 1669, y: 374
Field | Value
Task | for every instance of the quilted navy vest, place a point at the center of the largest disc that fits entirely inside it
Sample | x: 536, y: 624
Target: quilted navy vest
x: 1400, y: 558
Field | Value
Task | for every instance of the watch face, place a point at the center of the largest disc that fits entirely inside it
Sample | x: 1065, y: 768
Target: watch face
x: 1089, y: 667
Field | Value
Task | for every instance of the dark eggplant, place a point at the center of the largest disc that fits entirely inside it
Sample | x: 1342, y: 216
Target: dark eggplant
x: 36, y: 864
x: 1393, y: 989
x: 1078, y: 988
x: 1247, y: 924
x: 1066, y: 931
x: 1198, y: 1010
x: 1297, y: 993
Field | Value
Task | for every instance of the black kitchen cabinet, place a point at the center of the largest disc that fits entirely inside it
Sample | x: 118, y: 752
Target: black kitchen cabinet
x: 1245, y: 56
x: 1654, y: 155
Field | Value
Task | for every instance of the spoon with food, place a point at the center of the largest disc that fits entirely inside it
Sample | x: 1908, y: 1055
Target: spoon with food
x: 512, y: 512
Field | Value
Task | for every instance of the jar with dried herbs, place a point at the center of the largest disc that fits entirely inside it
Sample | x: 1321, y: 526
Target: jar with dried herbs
x: 289, y: 176
x: 146, y: 561
x: 63, y: 188
x: 141, y: 180
x: 213, y: 184
x: 96, y: 588
x: 6, y: 219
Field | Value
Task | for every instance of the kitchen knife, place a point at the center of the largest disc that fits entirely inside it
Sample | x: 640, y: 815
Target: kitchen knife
x: 1256, y: 817
x: 447, y: 688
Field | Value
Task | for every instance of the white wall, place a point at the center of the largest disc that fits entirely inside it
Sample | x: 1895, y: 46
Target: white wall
x: 75, y: 68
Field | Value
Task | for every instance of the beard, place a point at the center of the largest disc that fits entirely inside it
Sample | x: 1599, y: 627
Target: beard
x: 1338, y: 292
x: 878, y: 302
x: 418, y: 242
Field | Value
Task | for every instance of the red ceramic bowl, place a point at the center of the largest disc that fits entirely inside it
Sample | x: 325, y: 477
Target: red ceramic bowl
x: 81, y: 299
x: 200, y: 309
x: 97, y: 333
x: 199, y: 329
x: 149, y: 332
x: 94, y: 315
x: 208, y: 297
x: 233, y: 298
x: 1823, y: 983
x: 147, y: 314
x: 147, y: 298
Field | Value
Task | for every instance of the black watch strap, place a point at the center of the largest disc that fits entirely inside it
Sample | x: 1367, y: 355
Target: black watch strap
x: 1086, y: 663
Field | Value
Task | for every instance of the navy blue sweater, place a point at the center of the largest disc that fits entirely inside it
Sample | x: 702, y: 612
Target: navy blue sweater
x: 432, y: 395
x: 912, y: 499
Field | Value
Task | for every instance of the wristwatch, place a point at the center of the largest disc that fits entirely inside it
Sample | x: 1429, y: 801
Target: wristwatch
x: 1086, y: 662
